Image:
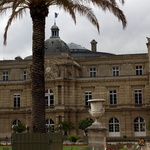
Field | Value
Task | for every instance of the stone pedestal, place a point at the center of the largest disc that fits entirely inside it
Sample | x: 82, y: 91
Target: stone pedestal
x: 96, y: 137
x: 96, y: 132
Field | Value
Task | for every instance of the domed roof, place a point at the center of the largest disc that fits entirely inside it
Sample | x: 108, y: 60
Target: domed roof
x: 76, y: 47
x: 79, y: 51
x: 54, y: 45
x: 54, y: 27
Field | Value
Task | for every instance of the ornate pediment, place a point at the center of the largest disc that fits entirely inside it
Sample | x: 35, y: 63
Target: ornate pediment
x: 60, y: 68
x: 52, y: 69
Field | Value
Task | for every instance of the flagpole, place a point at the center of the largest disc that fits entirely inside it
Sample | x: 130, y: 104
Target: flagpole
x: 54, y: 20
x: 55, y: 16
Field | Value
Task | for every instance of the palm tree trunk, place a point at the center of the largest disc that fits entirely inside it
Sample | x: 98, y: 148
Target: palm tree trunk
x: 37, y: 74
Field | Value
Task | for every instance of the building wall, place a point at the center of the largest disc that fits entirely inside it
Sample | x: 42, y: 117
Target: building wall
x: 69, y: 79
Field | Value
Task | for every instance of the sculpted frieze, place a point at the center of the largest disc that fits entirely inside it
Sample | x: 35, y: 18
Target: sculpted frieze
x: 53, y: 70
x: 60, y: 68
x: 70, y: 71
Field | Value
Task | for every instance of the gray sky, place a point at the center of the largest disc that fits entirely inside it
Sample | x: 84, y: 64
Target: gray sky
x: 112, y: 37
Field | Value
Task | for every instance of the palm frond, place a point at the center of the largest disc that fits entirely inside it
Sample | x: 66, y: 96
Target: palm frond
x: 4, y: 9
x: 13, y: 16
x: 19, y: 3
x: 122, y: 1
x: 70, y: 6
x: 121, y: 17
x: 75, y: 6
x: 112, y: 6
x: 67, y: 5
x: 86, y: 11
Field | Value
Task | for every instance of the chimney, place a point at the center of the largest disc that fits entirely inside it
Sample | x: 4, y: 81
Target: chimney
x: 93, y: 46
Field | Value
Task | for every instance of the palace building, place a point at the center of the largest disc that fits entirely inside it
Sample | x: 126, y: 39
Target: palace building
x: 74, y: 74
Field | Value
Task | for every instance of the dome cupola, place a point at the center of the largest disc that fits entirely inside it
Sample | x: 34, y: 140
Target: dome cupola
x: 55, y: 31
x: 54, y: 45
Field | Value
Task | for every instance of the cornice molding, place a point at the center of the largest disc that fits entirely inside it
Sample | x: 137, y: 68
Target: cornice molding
x: 12, y: 83
x: 89, y: 80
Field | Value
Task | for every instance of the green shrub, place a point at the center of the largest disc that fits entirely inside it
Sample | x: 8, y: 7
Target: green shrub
x: 73, y: 138
x: 124, y: 136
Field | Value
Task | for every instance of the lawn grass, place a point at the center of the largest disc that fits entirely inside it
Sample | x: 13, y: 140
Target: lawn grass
x: 83, y: 147
x: 5, y: 147
x: 65, y: 147
x: 74, y: 147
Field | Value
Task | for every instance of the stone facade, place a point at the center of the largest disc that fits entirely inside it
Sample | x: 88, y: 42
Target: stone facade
x: 122, y: 80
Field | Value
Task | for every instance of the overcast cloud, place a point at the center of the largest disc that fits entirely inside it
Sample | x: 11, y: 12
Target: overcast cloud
x: 112, y: 37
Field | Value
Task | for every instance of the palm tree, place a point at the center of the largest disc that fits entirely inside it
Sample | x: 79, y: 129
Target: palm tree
x: 66, y: 126
x: 39, y: 10
x: 19, y: 128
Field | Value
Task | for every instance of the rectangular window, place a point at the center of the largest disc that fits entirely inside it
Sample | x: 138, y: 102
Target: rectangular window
x: 142, y: 127
x: 113, y: 97
x: 46, y: 100
x: 92, y: 72
x: 25, y: 75
x: 138, y: 96
x: 111, y: 129
x: 51, y: 100
x: 117, y: 128
x: 139, y: 70
x: 16, y: 100
x: 5, y: 76
x: 115, y: 71
x: 136, y: 127
x: 88, y: 95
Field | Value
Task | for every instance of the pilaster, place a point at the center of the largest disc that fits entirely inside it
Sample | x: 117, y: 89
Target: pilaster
x: 63, y: 94
x: 148, y: 46
x: 57, y: 96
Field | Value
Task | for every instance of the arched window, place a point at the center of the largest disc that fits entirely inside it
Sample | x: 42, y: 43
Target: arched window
x: 15, y: 122
x: 49, y: 97
x: 49, y: 125
x: 114, y: 128
x: 139, y: 127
